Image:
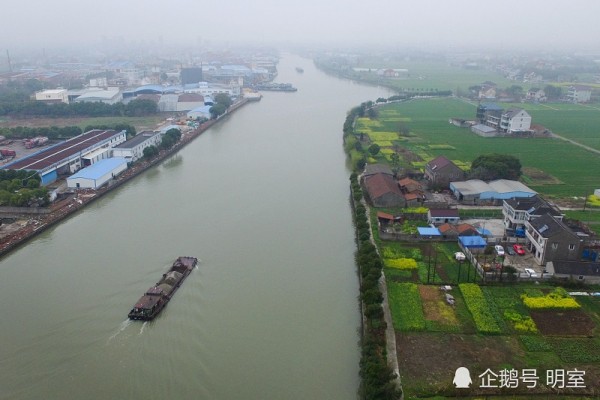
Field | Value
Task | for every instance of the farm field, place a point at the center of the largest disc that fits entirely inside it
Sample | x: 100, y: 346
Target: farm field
x: 430, y: 75
x: 579, y: 122
x: 556, y: 169
x: 490, y: 327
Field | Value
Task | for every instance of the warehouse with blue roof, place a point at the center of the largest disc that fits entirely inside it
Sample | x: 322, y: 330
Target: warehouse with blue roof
x: 97, y: 174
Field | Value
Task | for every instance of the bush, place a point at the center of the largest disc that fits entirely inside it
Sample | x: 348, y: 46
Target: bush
x: 558, y: 299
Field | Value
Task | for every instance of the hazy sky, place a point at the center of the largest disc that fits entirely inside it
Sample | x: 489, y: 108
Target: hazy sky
x: 508, y: 24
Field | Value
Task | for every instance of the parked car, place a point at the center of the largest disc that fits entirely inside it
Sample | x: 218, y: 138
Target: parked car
x: 460, y: 256
x: 519, y: 249
x: 499, y: 250
x: 531, y: 272
x: 510, y: 251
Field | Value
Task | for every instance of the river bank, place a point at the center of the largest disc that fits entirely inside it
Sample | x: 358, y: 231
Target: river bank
x: 69, y: 206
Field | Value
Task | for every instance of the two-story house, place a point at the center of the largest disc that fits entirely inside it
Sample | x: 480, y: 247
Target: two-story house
x: 551, y: 240
x: 515, y: 120
x: 579, y: 94
x: 517, y: 211
x: 441, y: 171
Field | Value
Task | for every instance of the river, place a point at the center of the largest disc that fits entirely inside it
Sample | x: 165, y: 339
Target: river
x: 271, y: 312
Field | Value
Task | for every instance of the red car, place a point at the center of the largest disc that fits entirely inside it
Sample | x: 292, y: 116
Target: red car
x: 519, y: 249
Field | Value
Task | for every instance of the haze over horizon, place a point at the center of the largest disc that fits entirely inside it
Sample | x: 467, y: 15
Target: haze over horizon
x: 430, y: 24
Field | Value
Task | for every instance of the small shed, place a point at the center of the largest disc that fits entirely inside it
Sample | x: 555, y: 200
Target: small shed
x: 97, y: 174
x: 429, y: 232
x: 475, y: 244
x: 443, y: 216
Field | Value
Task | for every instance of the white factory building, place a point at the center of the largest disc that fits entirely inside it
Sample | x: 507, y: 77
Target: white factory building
x: 98, y: 174
x: 133, y: 149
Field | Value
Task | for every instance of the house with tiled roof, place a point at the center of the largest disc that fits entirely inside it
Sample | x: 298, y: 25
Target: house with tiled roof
x: 372, y: 169
x: 441, y: 171
x: 453, y: 230
x: 383, y: 191
x: 412, y: 191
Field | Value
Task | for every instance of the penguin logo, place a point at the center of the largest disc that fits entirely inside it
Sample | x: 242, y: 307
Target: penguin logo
x: 462, y: 378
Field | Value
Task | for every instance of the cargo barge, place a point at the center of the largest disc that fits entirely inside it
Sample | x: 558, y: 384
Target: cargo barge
x: 275, y: 87
x: 157, y: 297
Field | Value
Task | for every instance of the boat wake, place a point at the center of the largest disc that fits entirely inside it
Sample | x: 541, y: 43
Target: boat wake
x: 121, y: 328
x: 142, y: 328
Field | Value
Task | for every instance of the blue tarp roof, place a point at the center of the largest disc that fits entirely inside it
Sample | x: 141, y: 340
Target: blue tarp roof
x: 484, y: 232
x: 99, y: 169
x: 426, y: 231
x: 472, y: 241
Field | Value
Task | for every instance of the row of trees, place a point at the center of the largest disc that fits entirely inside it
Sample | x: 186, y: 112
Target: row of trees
x: 19, y: 188
x: 171, y: 137
x: 377, y: 378
x: 495, y: 166
x: 30, y: 108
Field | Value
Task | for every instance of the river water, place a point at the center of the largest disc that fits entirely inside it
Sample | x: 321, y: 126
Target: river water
x: 271, y: 312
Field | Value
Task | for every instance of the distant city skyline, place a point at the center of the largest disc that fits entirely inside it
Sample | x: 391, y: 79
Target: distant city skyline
x: 427, y: 24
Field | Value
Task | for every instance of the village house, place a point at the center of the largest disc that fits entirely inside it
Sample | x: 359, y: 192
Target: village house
x: 383, y: 190
x: 441, y: 171
x: 452, y: 230
x: 412, y: 191
x: 515, y: 120
x: 580, y: 271
x: 550, y: 239
x: 443, y: 216
x: 579, y: 94
x: 536, y: 95
x: 517, y: 211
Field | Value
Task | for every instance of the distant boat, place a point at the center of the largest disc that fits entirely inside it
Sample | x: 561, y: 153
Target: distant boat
x: 299, y: 70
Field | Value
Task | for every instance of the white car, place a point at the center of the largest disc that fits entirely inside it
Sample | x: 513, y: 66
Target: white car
x: 531, y: 272
x: 499, y: 250
x: 460, y: 256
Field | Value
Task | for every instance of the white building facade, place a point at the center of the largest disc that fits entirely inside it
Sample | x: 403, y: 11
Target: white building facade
x: 133, y: 149
x: 579, y: 94
x: 53, y: 96
x: 515, y: 120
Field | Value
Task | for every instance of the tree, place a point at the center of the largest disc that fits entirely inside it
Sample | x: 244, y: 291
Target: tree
x: 150, y: 152
x: 372, y: 113
x: 403, y: 129
x: 217, y: 109
x: 553, y: 92
x: 374, y: 149
x: 496, y: 166
x: 223, y: 98
x: 515, y: 91
x: 395, y: 159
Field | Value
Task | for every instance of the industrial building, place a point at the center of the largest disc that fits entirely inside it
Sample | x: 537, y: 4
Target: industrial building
x: 98, y: 174
x: 52, y: 96
x: 476, y: 191
x: 109, y: 96
x: 67, y: 157
x: 133, y: 149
